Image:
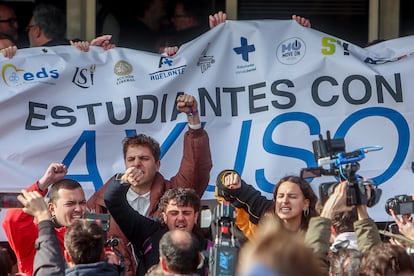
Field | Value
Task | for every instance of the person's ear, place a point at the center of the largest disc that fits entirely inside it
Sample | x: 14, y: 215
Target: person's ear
x: 164, y: 217
x: 51, y: 208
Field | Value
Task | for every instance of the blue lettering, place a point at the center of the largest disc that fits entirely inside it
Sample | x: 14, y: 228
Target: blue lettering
x: 271, y: 147
x: 89, y: 139
x: 403, y: 136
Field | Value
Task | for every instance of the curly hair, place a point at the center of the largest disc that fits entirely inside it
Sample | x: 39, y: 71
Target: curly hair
x: 142, y: 140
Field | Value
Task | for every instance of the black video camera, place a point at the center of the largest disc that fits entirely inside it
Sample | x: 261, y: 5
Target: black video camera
x: 223, y: 255
x: 400, y: 204
x: 344, y: 166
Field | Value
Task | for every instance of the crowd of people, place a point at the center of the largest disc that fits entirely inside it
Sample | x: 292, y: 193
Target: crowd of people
x: 155, y: 220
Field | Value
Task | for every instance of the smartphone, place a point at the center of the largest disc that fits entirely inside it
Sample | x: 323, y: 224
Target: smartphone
x: 9, y: 200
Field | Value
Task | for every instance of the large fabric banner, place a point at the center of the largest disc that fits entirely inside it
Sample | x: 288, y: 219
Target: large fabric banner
x: 266, y: 90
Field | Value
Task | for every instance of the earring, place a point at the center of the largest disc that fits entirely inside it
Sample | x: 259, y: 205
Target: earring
x: 306, y: 212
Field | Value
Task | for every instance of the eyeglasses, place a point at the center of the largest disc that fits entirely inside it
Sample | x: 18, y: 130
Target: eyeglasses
x: 9, y: 20
x: 29, y: 27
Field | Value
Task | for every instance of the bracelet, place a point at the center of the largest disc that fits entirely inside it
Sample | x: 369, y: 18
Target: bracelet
x: 197, y: 126
x: 191, y: 111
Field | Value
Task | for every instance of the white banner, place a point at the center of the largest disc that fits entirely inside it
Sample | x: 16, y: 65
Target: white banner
x: 266, y: 89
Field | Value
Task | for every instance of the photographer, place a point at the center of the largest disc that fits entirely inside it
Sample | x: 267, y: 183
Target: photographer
x: 405, y: 224
x: 319, y: 230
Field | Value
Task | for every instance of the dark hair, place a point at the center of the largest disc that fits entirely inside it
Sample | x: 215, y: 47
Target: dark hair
x: 6, y: 36
x: 386, y: 259
x: 344, y: 221
x: 7, y: 260
x: 180, y: 250
x: 66, y: 183
x: 142, y: 140
x: 84, y: 241
x: 51, y: 20
x: 308, y: 193
x: 183, y: 197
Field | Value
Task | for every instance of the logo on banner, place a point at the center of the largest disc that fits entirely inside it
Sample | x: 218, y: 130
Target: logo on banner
x: 166, y: 62
x: 13, y: 76
x: 123, y: 70
x: 83, y: 77
x: 244, y: 50
x: 291, y: 51
x: 205, y: 61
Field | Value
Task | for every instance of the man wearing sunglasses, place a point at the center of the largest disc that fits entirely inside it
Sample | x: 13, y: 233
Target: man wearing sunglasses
x: 8, y: 22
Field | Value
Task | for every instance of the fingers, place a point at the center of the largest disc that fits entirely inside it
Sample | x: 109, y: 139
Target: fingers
x: 170, y: 51
x: 133, y: 176
x: 81, y: 45
x: 58, y: 168
x: 217, y: 19
x: 103, y: 41
x: 98, y: 41
x: 232, y: 181
x: 187, y: 103
x: 302, y: 21
x: 9, y: 52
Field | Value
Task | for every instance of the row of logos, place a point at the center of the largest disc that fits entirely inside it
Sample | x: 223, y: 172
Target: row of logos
x: 288, y: 52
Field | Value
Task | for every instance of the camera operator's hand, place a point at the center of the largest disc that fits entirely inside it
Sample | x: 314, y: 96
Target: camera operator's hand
x: 336, y: 202
x: 232, y: 181
x: 405, y: 224
x: 35, y: 205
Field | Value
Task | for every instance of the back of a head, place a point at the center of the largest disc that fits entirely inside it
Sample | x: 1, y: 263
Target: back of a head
x: 386, y: 259
x: 278, y: 250
x: 52, y: 21
x: 84, y: 241
x: 345, y: 262
x: 344, y: 221
x: 180, y: 251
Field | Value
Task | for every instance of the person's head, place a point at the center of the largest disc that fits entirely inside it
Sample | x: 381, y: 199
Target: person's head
x: 150, y: 8
x: 179, y: 208
x: 47, y: 23
x: 344, y: 221
x: 345, y: 262
x: 5, y: 41
x: 179, y: 252
x: 294, y: 201
x: 274, y: 250
x: 8, y: 21
x: 84, y: 242
x: 142, y: 152
x: 187, y: 14
x: 66, y: 201
x: 386, y: 259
